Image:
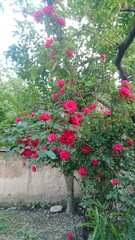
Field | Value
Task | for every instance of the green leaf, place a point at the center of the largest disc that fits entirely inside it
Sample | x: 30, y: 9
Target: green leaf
x: 34, y: 72
x: 9, y: 154
x: 51, y: 154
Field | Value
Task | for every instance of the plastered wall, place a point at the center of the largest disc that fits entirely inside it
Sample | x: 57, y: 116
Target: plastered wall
x: 20, y: 185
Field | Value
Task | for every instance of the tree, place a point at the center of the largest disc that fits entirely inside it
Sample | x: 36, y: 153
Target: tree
x: 90, y: 114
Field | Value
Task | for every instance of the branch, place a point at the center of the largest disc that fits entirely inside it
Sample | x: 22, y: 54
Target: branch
x: 98, y: 98
x: 121, y: 51
x: 131, y: 9
x: 98, y: 34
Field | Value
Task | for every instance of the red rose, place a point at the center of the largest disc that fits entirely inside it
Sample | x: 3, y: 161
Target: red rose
x: 37, y: 15
x: 62, y: 90
x: 100, y: 176
x: 130, y: 143
x: 48, y: 10
x: 18, y: 120
x: 34, y: 154
x: 115, y: 182
x: 103, y: 57
x: 55, y: 149
x: 27, y: 153
x: 126, y: 83
x: 118, y: 148
x: 70, y: 53
x: 33, y: 114
x: 72, y: 82
x: 70, y: 106
x: 44, y: 147
x: 34, y: 143
x: 33, y: 168
x: 70, y: 236
x: 93, y: 106
x: 64, y: 155
x: 51, y: 138
x: 86, y: 110
x: 125, y: 92
x: 52, y: 54
x: 107, y: 112
x: 45, y: 117
x: 62, y: 22
x: 55, y: 15
x: 86, y: 150
x: 94, y: 162
x: 48, y: 43
x: 68, y: 137
x: 83, y: 171
x: 61, y: 83
x: 74, y: 121
x: 55, y: 96
x: 24, y: 164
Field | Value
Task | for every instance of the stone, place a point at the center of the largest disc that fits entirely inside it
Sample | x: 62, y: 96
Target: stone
x: 56, y: 209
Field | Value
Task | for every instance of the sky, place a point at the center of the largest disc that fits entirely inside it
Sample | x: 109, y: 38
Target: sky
x: 7, y: 25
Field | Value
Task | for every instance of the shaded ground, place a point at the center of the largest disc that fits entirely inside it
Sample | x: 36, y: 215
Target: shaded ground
x: 38, y: 225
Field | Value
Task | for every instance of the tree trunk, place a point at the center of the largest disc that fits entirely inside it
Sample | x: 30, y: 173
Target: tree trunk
x: 69, y: 180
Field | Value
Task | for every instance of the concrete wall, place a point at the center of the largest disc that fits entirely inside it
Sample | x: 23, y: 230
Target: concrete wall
x: 18, y: 185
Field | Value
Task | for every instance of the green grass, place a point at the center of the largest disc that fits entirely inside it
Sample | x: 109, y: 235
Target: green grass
x: 10, y: 225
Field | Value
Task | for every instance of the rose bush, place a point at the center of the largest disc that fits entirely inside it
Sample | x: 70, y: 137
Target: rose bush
x: 77, y: 130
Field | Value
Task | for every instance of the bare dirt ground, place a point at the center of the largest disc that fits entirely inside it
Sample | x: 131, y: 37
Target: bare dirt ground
x: 37, y: 225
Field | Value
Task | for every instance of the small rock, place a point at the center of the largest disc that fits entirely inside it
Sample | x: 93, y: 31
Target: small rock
x: 11, y: 208
x: 56, y: 209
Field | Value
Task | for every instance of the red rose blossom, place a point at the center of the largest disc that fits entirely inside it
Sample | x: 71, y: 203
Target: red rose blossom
x: 18, y: 120
x: 33, y: 168
x: 72, y: 82
x: 126, y: 83
x: 62, y: 90
x: 27, y: 153
x: 125, y: 92
x: 103, y: 57
x: 118, y: 148
x: 51, y: 138
x: 37, y: 15
x: 74, y: 120
x: 61, y: 83
x: 55, y: 149
x: 86, y: 150
x: 61, y: 22
x: 115, y: 182
x: 44, y: 147
x: 83, y: 171
x: 70, y: 53
x: 24, y: 164
x: 70, y: 106
x: 34, y: 143
x: 48, y: 10
x: 52, y: 55
x: 55, y: 96
x: 55, y: 15
x: 45, y: 117
x: 93, y: 106
x: 94, y: 162
x: 48, y: 43
x: 33, y: 114
x: 70, y: 236
x: 130, y: 143
x: 86, y: 110
x: 100, y: 176
x: 107, y: 112
x: 34, y: 154
x: 64, y: 155
x: 68, y: 137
